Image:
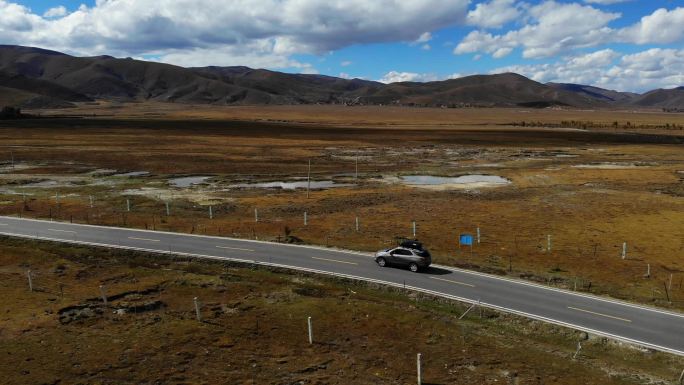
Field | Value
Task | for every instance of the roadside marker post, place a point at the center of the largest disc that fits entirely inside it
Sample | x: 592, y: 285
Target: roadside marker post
x: 669, y: 285
x: 478, y: 235
x: 308, y: 321
x: 103, y: 294
x: 168, y: 210
x: 418, y: 369
x: 197, y: 309
x: 128, y: 205
x: 624, y: 250
x: 306, y: 221
x: 548, y: 243
x: 91, y: 201
x: 30, y: 280
x: 256, y: 215
x: 648, y: 271
x: 211, y: 213
x: 357, y: 224
x: 308, y: 180
x: 414, y: 229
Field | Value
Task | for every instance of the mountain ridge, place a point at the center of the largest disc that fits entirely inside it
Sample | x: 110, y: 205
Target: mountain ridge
x: 35, y: 78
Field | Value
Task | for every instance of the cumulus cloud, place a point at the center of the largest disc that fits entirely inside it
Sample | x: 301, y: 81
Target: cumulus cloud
x: 642, y: 71
x: 168, y: 28
x: 346, y: 63
x: 661, y: 27
x: 555, y: 28
x: 396, y: 77
x: 605, y: 2
x: 55, y: 12
x: 494, y: 14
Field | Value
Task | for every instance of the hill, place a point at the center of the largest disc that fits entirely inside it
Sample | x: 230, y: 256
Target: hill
x: 38, y: 78
x: 595, y: 92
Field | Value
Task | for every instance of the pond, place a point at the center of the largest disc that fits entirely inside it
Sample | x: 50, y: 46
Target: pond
x: 292, y: 185
x: 464, y: 181
x: 188, y: 181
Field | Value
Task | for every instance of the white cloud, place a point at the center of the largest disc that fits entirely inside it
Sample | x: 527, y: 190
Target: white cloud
x: 346, y: 63
x: 426, y: 47
x: 643, y: 71
x: 55, y: 12
x: 396, y: 77
x: 175, y: 29
x: 605, y: 2
x: 494, y: 14
x: 424, y: 38
x: 661, y: 27
x: 553, y: 28
x: 344, y: 75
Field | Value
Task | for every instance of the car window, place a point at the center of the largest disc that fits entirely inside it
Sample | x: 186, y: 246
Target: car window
x: 402, y: 252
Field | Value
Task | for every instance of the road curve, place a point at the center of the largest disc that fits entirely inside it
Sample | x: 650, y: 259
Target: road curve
x: 645, y: 326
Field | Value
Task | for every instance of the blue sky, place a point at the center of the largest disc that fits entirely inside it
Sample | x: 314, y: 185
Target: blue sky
x: 628, y: 45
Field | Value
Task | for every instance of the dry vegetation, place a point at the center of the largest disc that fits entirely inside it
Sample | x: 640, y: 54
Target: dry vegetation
x: 591, y: 190
x: 253, y: 329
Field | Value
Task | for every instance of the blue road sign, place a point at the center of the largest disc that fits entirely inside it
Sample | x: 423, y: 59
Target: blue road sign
x: 466, y: 239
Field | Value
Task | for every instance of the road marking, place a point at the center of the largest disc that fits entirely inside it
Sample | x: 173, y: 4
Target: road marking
x: 4, y: 224
x: 335, y: 260
x: 456, y: 282
x: 63, y: 231
x: 144, y: 239
x: 367, y: 279
x: 233, y: 248
x: 599, y: 314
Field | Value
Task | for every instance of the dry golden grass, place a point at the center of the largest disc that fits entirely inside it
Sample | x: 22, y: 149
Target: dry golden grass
x: 254, y: 329
x: 588, y: 210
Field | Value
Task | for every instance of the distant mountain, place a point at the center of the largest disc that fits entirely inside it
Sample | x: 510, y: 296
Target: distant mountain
x: 595, y: 92
x: 506, y: 89
x: 671, y: 99
x: 38, y: 78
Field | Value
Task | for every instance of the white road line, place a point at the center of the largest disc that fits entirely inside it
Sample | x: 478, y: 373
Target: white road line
x: 63, y: 231
x: 144, y: 239
x: 348, y: 252
x: 599, y: 314
x: 450, y: 281
x: 335, y: 260
x: 366, y: 279
x: 233, y: 248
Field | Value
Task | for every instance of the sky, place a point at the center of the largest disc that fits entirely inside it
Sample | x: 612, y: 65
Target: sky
x: 626, y: 45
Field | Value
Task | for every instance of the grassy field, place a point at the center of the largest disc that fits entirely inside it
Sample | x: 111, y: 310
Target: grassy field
x: 253, y: 329
x: 589, y: 190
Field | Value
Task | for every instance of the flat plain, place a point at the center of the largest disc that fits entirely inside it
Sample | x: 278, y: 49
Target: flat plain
x: 557, y: 195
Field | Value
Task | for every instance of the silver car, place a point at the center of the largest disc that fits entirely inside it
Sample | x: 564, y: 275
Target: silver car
x: 413, y: 258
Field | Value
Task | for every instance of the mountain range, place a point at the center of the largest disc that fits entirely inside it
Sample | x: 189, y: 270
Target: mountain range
x: 38, y: 78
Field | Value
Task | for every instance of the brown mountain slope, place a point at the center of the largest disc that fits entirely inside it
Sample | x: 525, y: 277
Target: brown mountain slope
x: 506, y: 89
x: 662, y: 98
x: 42, y: 77
x: 595, y: 92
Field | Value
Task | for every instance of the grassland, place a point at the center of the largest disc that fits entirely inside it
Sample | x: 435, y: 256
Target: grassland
x: 253, y: 329
x: 590, y: 190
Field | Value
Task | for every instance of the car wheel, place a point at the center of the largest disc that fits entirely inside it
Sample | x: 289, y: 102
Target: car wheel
x: 381, y: 262
x: 413, y: 267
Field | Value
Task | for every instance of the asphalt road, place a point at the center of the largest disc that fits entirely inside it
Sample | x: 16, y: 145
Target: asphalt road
x: 642, y: 325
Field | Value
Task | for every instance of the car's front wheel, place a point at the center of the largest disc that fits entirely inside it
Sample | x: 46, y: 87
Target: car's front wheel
x: 381, y: 262
x: 413, y: 267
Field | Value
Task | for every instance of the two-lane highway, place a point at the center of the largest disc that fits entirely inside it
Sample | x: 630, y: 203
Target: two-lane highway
x: 650, y: 327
